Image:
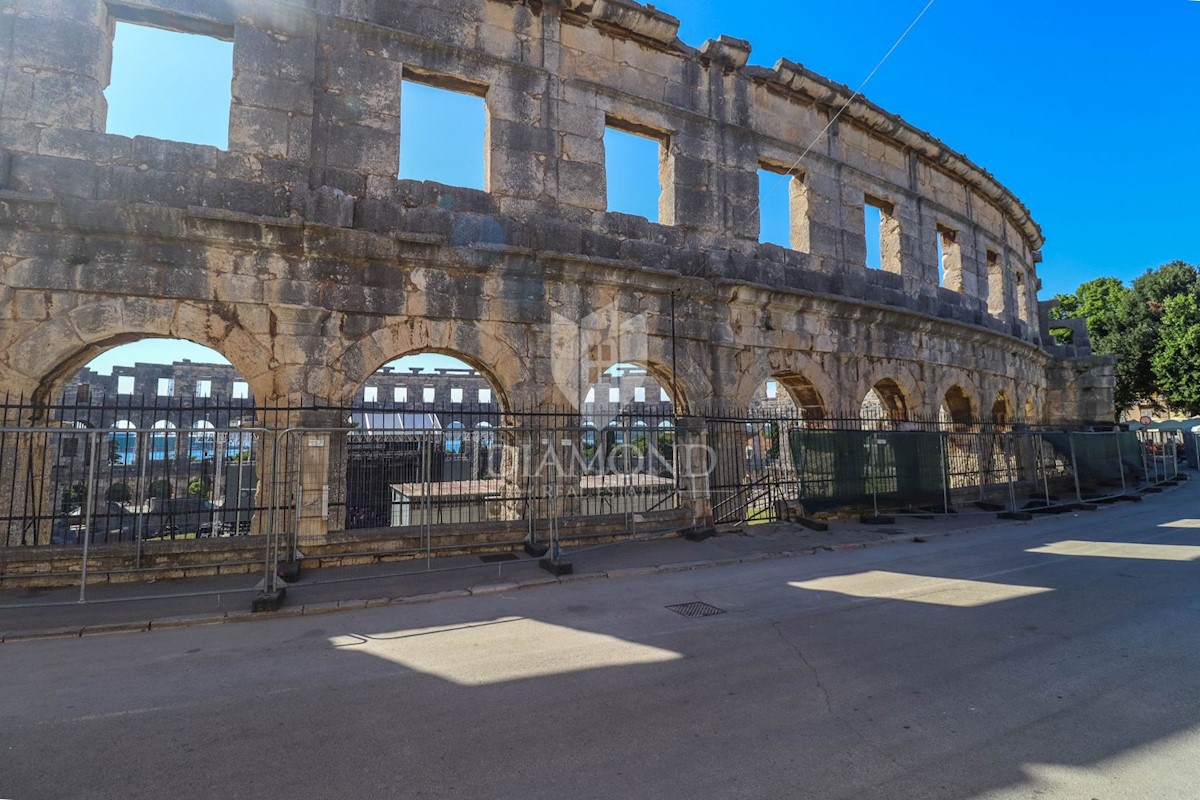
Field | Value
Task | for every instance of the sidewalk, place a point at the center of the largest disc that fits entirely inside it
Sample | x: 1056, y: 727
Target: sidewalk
x: 110, y: 608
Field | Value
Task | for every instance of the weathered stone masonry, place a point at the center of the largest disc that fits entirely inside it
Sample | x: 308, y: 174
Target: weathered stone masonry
x: 298, y: 255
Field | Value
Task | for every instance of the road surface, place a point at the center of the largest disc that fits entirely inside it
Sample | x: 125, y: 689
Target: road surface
x: 1057, y: 659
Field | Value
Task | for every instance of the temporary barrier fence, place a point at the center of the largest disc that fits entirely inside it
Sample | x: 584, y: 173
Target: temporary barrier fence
x: 205, y: 490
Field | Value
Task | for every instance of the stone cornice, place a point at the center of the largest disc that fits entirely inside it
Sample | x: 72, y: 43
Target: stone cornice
x: 645, y: 23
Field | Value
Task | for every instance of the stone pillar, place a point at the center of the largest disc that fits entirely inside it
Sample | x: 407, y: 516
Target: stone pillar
x: 693, y: 469
x: 56, y: 71
x: 302, y: 474
x: 273, y: 68
x: 27, y: 493
x: 356, y: 114
x: 319, y: 451
x: 821, y: 233
x: 517, y: 479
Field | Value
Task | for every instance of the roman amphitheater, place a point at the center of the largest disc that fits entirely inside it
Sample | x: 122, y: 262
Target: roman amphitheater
x: 300, y: 256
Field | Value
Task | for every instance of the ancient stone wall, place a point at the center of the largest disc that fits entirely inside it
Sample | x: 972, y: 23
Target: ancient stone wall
x: 299, y: 255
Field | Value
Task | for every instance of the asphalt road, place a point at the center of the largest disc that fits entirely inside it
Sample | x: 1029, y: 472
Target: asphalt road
x: 1058, y: 659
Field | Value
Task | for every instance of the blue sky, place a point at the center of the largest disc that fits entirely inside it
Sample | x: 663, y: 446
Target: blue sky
x: 1090, y: 112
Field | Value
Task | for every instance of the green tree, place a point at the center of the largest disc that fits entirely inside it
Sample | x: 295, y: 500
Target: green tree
x: 161, y: 489
x: 1129, y: 323
x: 1099, y: 303
x: 200, y: 487
x: 118, y: 493
x: 74, y: 496
x: 1139, y: 336
x: 1176, y: 361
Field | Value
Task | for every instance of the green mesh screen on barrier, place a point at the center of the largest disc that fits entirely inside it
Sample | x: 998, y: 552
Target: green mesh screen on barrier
x: 1131, y: 458
x: 856, y: 469
x: 1098, y: 464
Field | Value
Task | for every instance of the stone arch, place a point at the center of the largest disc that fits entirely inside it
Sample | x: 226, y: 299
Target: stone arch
x: 801, y: 376
x: 897, y: 387
x: 484, y: 370
x: 1031, y: 411
x: 661, y: 373
x: 502, y: 364
x: 805, y: 394
x: 959, y: 405
x: 54, y: 351
x: 1002, y: 408
x: 894, y: 399
x: 871, y: 373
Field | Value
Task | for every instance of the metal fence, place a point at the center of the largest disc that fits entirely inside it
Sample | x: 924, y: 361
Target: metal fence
x: 121, y: 488
x: 775, y: 467
x: 131, y: 484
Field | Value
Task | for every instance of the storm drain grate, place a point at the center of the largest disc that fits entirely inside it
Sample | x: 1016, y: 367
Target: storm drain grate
x: 496, y: 558
x: 696, y: 610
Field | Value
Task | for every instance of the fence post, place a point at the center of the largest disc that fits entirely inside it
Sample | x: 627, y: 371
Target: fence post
x: 945, y: 467
x: 89, y: 499
x: 1008, y: 468
x: 872, y: 478
x: 274, y: 514
x: 428, y: 441
x: 1120, y: 462
x: 1041, y: 451
x: 143, y: 488
x: 1075, y: 467
x: 1142, y: 451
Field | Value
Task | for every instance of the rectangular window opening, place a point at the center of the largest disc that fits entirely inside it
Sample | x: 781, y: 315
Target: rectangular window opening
x: 775, y: 207
x: 428, y: 394
x: 614, y: 395
x: 170, y: 84
x: 485, y: 395
x: 995, y: 284
x: 941, y: 258
x: 70, y: 447
x: 400, y: 394
x: 873, y: 225
x: 1022, y: 296
x: 882, y: 229
x: 633, y: 166
x: 166, y: 387
x: 772, y: 390
x: 125, y: 384
x: 241, y: 390
x: 371, y: 394
x: 456, y: 395
x: 443, y: 134
x: 639, y: 394
x: 203, y: 388
x: 949, y: 256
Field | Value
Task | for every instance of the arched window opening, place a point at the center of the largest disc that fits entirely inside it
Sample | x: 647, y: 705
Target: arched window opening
x: 884, y: 404
x: 122, y: 443
x: 1002, y: 410
x: 957, y: 407
x: 174, y: 461
x: 202, y: 443
x: 162, y: 441
x: 425, y: 445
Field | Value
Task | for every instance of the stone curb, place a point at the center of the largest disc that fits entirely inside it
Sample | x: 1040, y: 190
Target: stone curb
x: 332, y: 606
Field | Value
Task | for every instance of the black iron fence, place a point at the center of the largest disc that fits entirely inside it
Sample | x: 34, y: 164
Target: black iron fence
x: 125, y: 475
